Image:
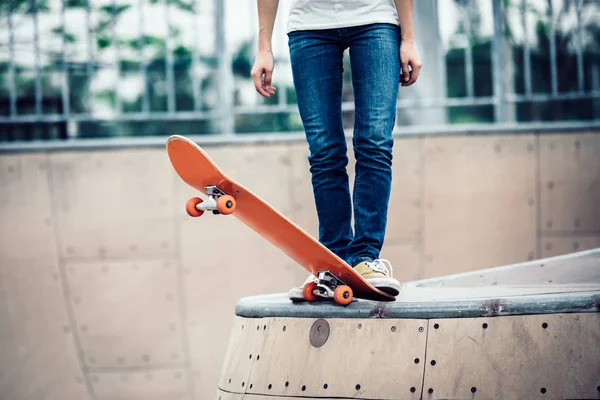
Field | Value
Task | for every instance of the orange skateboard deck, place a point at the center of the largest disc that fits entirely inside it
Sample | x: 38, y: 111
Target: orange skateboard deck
x: 222, y: 195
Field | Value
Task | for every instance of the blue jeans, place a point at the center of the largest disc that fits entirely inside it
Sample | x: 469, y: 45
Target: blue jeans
x: 316, y: 60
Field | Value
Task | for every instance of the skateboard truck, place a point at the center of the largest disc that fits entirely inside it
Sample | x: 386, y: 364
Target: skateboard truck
x: 328, y: 286
x: 218, y: 202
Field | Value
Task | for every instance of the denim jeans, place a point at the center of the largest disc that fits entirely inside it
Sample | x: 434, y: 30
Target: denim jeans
x: 316, y: 60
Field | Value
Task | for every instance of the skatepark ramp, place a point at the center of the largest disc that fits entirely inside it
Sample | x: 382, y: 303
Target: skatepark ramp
x: 524, y: 331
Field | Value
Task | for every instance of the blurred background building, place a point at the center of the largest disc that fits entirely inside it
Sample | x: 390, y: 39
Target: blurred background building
x: 108, y: 290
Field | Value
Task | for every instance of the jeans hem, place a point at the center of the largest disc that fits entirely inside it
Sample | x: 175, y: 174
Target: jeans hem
x: 359, y: 260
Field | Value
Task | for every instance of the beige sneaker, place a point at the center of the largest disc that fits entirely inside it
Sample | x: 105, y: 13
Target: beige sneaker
x: 295, y: 294
x: 377, y: 274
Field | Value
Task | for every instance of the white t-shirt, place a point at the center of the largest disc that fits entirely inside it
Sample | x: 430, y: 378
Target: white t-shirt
x: 327, y: 14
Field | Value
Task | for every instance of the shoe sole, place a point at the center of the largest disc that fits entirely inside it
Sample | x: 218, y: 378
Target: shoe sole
x: 385, y: 286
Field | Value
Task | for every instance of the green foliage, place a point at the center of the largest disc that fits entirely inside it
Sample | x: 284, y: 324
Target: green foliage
x: 76, y: 3
x: 69, y: 37
x: 241, y: 62
x: 156, y: 68
x: 23, y: 7
x: 540, y: 68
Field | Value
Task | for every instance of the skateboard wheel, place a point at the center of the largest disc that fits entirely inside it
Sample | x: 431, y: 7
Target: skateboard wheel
x: 191, y: 205
x: 226, y: 204
x: 343, y: 295
x: 307, y: 291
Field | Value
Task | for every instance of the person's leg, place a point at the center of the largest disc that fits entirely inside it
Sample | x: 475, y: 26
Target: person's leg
x: 375, y: 62
x: 316, y: 60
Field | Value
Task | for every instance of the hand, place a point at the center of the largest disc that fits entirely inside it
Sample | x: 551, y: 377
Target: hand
x: 262, y: 72
x: 409, y: 56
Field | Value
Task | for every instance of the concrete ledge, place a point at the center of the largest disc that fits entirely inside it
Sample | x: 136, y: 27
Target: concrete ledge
x: 272, y: 306
x: 563, y: 284
x: 526, y: 339
x: 91, y: 144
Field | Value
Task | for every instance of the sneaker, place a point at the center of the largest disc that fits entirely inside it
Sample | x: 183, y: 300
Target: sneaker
x: 377, y: 274
x: 295, y: 294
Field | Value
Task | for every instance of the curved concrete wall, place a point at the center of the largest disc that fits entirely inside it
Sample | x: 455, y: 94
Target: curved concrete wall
x: 109, y: 291
x: 554, y: 357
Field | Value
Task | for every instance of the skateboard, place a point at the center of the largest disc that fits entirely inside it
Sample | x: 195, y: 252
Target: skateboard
x: 223, y: 196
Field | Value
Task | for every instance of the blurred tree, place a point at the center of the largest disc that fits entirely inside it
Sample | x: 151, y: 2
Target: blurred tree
x: 81, y: 74
x: 153, y: 93
x: 566, y: 39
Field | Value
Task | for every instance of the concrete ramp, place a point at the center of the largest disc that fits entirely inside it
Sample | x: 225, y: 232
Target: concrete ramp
x: 524, y: 331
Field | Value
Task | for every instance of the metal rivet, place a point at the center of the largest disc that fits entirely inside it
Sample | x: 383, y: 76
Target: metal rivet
x: 319, y: 333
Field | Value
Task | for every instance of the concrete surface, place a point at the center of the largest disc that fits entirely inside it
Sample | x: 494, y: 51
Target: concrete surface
x: 108, y: 290
x: 512, y: 341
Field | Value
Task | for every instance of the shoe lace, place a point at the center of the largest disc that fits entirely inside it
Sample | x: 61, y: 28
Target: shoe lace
x: 383, y: 266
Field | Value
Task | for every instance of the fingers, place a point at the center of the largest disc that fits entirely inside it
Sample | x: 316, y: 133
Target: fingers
x: 267, y: 82
x: 264, y: 88
x: 414, y: 73
x: 405, y: 73
x: 258, y: 85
